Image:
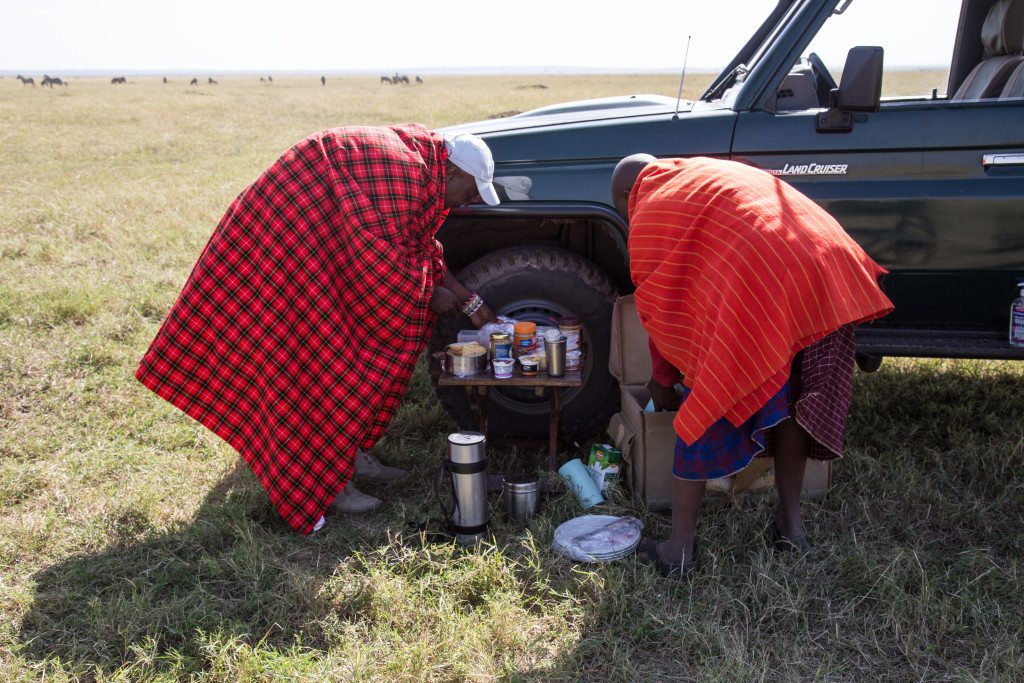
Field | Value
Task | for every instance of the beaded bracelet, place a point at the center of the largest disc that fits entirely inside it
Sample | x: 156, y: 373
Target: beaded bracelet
x: 472, y: 305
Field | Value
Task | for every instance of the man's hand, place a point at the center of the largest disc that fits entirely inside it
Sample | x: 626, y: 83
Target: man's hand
x: 665, y: 398
x: 443, y: 302
x: 483, y: 316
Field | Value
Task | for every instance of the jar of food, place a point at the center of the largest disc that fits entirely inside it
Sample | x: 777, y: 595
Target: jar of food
x: 524, y: 340
x: 501, y: 345
x: 573, y: 360
x: 530, y: 366
x: 571, y: 328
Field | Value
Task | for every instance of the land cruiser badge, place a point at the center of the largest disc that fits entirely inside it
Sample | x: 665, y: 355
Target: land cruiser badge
x: 809, y: 169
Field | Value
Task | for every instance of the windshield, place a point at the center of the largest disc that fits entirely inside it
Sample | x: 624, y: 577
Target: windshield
x: 764, y: 27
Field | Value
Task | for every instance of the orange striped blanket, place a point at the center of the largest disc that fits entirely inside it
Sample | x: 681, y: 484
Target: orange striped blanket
x: 735, y: 272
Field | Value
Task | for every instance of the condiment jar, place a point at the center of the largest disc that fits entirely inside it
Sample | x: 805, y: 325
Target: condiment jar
x: 571, y: 328
x: 524, y: 341
x: 501, y: 345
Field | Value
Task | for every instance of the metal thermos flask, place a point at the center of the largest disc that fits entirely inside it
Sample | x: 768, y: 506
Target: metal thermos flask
x: 467, y: 467
x: 555, y: 351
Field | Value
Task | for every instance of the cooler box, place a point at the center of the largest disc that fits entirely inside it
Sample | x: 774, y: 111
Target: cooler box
x: 647, y: 440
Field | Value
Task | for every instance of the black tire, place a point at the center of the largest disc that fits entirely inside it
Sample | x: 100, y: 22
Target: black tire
x: 539, y: 284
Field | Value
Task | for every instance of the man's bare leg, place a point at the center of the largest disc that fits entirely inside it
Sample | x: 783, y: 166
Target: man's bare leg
x: 686, y: 500
x: 790, y: 445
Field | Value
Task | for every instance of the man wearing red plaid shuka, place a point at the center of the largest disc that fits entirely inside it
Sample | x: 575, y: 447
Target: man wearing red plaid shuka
x: 298, y: 330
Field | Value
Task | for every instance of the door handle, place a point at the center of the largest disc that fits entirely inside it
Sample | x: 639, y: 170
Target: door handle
x: 1004, y: 159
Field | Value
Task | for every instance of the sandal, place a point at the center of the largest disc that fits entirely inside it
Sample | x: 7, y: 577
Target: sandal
x: 647, y: 552
x: 785, y: 544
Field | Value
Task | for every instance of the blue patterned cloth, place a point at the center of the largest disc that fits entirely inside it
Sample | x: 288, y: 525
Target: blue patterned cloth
x: 724, y: 449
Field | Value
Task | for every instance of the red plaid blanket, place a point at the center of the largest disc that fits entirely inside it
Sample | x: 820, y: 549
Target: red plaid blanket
x: 298, y: 330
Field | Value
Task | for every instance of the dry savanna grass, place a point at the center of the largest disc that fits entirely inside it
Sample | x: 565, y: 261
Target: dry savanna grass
x: 134, y: 547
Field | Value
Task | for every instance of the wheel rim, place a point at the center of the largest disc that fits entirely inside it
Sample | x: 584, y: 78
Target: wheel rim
x: 543, y: 312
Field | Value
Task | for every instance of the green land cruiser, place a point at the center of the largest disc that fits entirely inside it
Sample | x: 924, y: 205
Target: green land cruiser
x: 932, y: 186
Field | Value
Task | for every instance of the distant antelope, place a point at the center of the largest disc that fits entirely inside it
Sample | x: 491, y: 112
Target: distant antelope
x: 270, y: 78
x: 210, y: 81
x: 27, y: 81
x: 194, y: 81
x: 323, y: 80
x: 419, y: 81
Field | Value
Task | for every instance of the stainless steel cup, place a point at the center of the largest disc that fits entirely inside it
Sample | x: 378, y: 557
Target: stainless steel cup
x: 555, y: 352
x: 522, y: 491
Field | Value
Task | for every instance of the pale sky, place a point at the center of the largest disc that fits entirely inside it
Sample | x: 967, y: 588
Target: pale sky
x: 323, y: 35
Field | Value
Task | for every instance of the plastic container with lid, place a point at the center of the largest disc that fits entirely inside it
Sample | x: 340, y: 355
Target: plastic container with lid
x: 524, y: 339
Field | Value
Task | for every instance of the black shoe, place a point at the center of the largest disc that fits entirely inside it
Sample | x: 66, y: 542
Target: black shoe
x: 647, y: 552
x: 785, y: 544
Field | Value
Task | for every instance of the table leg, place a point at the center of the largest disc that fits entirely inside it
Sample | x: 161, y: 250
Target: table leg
x: 482, y: 401
x: 475, y: 403
x: 554, y: 422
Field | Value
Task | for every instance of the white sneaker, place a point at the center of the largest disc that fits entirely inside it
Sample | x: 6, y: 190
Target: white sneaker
x: 370, y: 467
x: 351, y: 499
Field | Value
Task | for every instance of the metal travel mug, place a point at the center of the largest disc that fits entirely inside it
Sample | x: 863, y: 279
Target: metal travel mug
x: 555, y: 352
x: 521, y: 494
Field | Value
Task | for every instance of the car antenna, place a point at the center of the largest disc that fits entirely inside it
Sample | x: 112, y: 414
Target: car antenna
x: 679, y: 97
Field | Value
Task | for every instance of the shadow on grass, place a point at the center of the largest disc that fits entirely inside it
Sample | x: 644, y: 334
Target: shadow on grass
x: 235, y: 571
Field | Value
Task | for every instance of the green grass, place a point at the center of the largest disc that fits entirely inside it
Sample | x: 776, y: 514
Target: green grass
x: 133, y: 546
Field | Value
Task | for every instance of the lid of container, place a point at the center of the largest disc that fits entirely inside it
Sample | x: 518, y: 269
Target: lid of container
x: 466, y: 438
x: 525, y: 328
x: 522, y: 483
x: 569, y: 321
x: 500, y: 336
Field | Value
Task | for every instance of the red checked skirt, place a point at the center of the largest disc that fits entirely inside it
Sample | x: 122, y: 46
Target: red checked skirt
x: 298, y: 330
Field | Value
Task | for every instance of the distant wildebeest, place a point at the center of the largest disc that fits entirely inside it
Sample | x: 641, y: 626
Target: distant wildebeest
x: 119, y: 79
x: 402, y: 79
x: 323, y: 80
x: 270, y: 78
x: 262, y: 80
x: 419, y: 81
x: 165, y: 79
x: 27, y: 81
x: 385, y: 79
x: 51, y: 81
x: 210, y: 81
x: 194, y: 81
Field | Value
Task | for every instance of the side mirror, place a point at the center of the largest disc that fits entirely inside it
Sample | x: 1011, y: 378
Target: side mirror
x: 859, y: 90
x: 861, y: 86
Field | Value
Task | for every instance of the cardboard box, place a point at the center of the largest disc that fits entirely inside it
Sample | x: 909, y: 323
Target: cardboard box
x: 647, y: 440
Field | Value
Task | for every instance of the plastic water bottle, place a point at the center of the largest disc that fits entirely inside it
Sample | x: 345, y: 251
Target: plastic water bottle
x: 1017, y: 318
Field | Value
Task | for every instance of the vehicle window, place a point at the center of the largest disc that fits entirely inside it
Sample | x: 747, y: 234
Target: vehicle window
x: 917, y: 36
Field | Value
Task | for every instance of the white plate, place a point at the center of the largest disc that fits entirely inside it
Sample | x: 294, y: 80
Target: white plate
x: 598, y: 538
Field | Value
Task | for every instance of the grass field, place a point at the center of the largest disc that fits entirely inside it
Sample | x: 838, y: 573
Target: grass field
x: 133, y: 546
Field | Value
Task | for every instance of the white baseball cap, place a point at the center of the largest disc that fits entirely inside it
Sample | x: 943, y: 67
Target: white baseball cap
x: 471, y: 154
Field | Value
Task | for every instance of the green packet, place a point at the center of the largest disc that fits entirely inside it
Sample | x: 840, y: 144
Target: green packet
x: 603, y: 465
x: 605, y: 456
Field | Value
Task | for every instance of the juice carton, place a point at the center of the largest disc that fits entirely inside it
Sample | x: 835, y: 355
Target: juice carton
x: 604, y: 463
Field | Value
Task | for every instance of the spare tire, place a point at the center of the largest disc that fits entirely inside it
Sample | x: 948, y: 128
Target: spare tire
x: 539, y: 284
